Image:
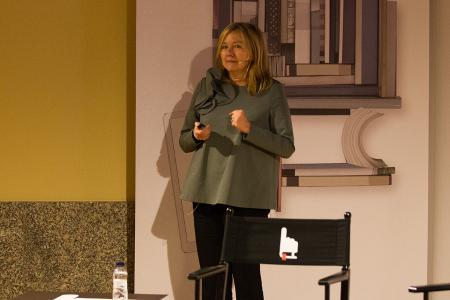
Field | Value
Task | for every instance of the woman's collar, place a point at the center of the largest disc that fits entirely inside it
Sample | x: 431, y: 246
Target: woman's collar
x: 217, y: 92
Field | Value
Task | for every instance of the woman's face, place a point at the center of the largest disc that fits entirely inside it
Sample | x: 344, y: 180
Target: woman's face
x: 234, y: 53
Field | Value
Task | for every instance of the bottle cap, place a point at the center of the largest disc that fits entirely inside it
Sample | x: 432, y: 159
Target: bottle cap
x: 120, y: 264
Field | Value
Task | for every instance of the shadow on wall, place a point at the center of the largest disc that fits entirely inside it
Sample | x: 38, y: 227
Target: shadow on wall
x: 165, y: 225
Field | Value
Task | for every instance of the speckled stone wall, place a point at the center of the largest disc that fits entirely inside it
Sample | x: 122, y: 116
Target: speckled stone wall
x: 64, y: 246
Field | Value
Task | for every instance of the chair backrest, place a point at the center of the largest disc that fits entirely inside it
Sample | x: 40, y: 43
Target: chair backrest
x: 287, y: 241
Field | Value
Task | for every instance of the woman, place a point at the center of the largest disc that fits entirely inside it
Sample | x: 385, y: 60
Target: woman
x: 238, y: 125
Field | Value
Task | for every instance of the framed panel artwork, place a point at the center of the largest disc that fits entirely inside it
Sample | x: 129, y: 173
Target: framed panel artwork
x: 322, y: 47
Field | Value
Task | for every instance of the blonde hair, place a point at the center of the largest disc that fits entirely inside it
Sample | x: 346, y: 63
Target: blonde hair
x: 257, y: 72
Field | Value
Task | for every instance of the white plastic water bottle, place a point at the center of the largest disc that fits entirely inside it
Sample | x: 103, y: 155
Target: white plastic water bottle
x: 120, y: 286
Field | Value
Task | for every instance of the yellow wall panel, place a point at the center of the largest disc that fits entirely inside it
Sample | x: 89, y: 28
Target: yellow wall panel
x: 63, y: 100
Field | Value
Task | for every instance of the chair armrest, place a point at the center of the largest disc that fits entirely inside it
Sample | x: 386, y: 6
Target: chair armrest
x: 429, y: 288
x: 338, y: 277
x: 206, y: 272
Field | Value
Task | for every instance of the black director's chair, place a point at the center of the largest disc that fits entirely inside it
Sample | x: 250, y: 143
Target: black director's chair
x: 426, y: 289
x: 311, y: 242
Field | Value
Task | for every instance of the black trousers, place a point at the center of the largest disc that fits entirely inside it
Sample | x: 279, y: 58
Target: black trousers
x: 209, y: 224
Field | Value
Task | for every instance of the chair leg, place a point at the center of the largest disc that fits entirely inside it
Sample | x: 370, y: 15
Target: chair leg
x: 198, y: 289
x: 344, y: 290
x: 225, y: 282
x: 327, y: 292
x: 425, y: 296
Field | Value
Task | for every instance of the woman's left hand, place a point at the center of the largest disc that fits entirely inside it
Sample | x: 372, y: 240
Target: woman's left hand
x: 240, y: 121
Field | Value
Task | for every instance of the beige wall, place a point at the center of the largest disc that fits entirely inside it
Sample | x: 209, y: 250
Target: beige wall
x: 63, y: 100
x: 390, y: 223
x: 440, y: 143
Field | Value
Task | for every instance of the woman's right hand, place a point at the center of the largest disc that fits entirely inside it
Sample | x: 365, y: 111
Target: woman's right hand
x: 201, y: 134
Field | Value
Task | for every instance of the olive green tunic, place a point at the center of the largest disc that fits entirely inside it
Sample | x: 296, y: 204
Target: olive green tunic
x: 232, y: 168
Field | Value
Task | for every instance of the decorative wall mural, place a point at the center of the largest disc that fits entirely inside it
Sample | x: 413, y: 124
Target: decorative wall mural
x: 319, y: 47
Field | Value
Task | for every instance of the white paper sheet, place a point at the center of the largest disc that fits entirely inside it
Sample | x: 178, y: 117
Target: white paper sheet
x: 66, y: 297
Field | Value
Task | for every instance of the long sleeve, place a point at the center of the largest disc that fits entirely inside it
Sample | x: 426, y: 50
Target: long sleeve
x: 187, y: 141
x: 223, y: 167
x: 279, y: 140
